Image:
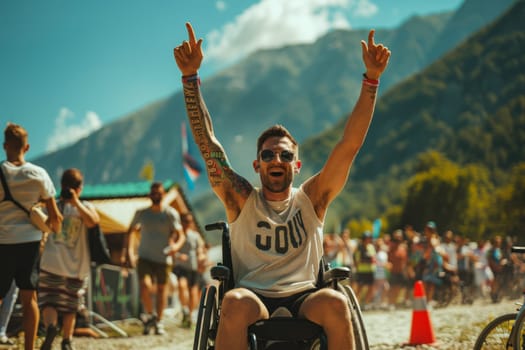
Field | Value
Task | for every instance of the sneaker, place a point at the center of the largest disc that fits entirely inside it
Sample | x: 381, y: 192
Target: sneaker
x: 194, y: 316
x: 66, y: 345
x: 149, y: 323
x: 186, y: 321
x: 159, y: 328
x: 6, y: 342
x: 51, y: 333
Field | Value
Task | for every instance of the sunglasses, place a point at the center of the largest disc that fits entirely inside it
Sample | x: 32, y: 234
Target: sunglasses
x: 285, y: 156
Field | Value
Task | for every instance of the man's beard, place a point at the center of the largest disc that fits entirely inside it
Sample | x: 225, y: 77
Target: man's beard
x: 156, y: 201
x: 276, y: 186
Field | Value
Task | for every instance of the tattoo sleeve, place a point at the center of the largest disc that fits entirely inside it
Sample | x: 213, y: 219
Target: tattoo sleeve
x: 217, y: 165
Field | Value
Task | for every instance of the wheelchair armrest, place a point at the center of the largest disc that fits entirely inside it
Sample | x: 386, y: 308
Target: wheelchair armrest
x: 336, y: 274
x: 220, y: 273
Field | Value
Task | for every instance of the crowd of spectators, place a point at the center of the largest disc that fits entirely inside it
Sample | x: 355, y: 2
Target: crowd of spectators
x: 453, y: 268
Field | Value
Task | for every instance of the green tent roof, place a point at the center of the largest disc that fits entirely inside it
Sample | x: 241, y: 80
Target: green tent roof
x: 120, y: 190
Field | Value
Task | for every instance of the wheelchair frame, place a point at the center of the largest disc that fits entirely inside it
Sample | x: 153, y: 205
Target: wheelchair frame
x: 281, y: 332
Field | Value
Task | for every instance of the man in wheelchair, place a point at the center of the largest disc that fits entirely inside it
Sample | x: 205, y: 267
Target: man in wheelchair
x: 277, y: 229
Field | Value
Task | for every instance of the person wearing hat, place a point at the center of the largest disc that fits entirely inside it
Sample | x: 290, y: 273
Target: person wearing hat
x: 430, y: 232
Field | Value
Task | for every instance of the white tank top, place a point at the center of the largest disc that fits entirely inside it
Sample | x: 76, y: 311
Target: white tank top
x: 277, y: 255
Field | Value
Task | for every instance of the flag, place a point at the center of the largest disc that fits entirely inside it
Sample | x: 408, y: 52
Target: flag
x: 148, y: 171
x: 376, y: 228
x: 191, y: 167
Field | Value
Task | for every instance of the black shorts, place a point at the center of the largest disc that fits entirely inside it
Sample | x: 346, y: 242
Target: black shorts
x: 366, y: 278
x: 467, y: 277
x: 398, y: 279
x: 20, y: 262
x: 190, y: 275
x: 292, y: 302
x: 159, y: 272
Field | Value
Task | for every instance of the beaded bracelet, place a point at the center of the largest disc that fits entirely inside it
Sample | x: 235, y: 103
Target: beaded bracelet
x: 370, y: 82
x: 191, y: 78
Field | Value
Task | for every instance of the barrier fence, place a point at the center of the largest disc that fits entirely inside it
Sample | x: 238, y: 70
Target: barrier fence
x: 112, y: 295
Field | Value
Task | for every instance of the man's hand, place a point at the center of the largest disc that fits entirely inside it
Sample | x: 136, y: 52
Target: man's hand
x: 375, y: 57
x: 189, y: 55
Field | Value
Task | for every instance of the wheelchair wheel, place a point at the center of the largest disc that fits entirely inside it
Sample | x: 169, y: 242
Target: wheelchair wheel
x: 206, y: 326
x: 360, y: 338
x: 199, y: 319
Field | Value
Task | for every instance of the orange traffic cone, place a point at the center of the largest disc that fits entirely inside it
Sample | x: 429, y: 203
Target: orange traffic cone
x: 421, y: 331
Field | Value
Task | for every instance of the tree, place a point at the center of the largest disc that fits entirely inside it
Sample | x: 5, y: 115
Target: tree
x: 456, y: 198
x: 508, y: 214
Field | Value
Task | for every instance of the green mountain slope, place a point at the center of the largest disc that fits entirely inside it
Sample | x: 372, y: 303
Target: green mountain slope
x: 470, y: 106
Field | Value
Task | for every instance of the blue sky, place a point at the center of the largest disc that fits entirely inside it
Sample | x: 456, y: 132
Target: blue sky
x: 67, y: 67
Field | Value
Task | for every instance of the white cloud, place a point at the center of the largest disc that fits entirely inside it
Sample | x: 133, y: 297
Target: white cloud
x: 274, y: 23
x: 365, y: 8
x: 69, y: 130
x: 220, y: 5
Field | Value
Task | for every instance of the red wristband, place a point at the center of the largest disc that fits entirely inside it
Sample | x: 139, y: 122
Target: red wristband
x: 191, y: 78
x: 370, y: 82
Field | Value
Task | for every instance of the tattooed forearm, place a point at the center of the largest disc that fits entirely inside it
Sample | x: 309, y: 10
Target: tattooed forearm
x: 372, y: 90
x: 217, y: 164
x: 218, y: 168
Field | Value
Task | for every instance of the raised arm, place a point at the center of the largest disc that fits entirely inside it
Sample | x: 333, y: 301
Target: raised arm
x: 176, y: 239
x: 88, y: 214
x: 323, y: 187
x: 230, y: 187
x: 55, y: 218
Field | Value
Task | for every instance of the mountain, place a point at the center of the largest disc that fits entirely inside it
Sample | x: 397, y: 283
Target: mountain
x: 305, y: 87
x: 308, y: 88
x: 469, y: 18
x: 469, y: 105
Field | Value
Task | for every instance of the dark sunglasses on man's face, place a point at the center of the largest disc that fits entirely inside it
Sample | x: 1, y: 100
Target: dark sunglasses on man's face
x: 268, y: 155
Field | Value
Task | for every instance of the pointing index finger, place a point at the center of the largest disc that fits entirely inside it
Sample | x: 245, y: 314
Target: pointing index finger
x: 191, y: 34
x: 371, y: 38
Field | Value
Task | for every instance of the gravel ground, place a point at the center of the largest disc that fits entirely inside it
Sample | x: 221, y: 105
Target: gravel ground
x: 455, y: 327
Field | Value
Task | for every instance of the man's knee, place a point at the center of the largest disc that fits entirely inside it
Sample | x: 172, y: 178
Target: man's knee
x: 237, y: 300
x: 324, y: 305
x: 337, y: 301
x: 241, y: 305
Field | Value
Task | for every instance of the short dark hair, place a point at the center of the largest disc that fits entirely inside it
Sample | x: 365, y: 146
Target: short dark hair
x: 274, y: 131
x: 186, y: 217
x: 157, y: 187
x: 71, y: 178
x: 156, y: 184
x: 15, y: 136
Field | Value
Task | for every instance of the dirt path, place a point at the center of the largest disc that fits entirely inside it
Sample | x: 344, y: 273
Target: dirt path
x: 454, y: 327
